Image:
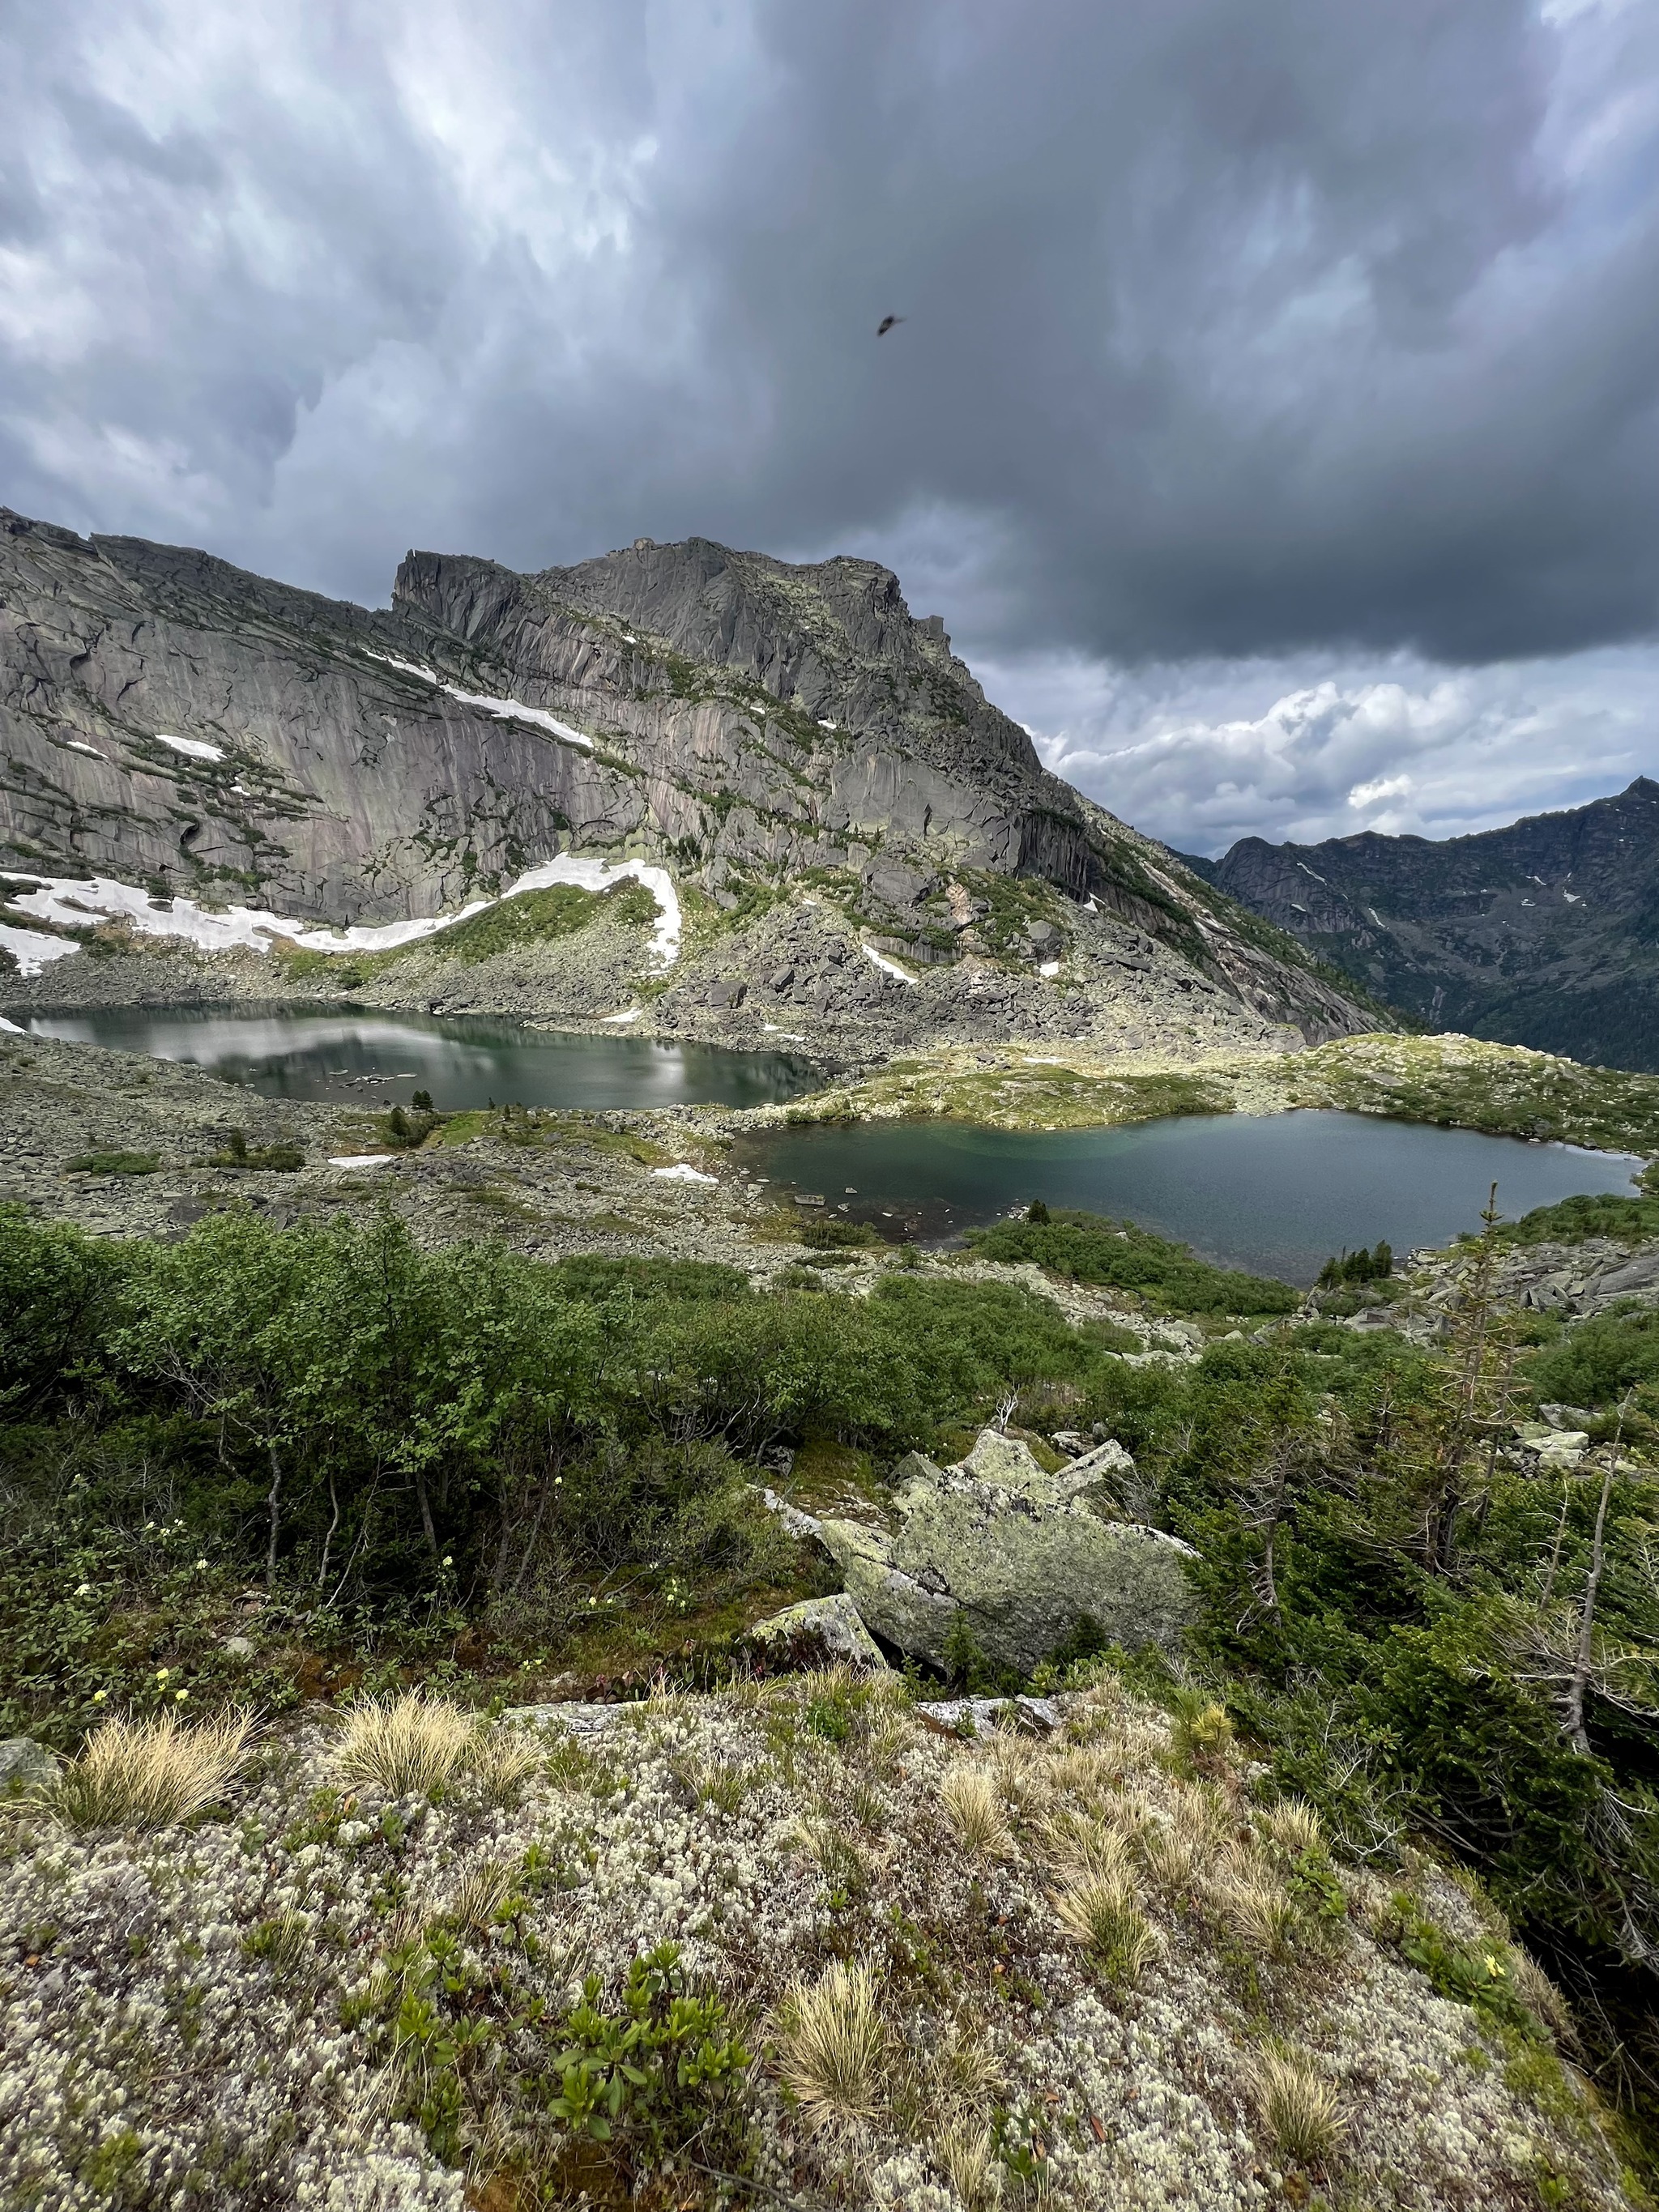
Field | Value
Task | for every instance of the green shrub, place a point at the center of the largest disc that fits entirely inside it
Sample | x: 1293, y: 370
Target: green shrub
x: 1091, y: 1248
x: 114, y: 1164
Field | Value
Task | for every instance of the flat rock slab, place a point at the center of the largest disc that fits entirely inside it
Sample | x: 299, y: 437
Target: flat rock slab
x: 578, y: 1719
x: 974, y: 1716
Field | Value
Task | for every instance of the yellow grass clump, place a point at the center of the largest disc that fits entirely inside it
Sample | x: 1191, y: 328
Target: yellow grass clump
x: 413, y: 1746
x: 1102, y: 1914
x: 148, y: 1774
x: 970, y: 1798
x: 968, y: 2156
x: 1302, y: 2110
x: 831, y: 2043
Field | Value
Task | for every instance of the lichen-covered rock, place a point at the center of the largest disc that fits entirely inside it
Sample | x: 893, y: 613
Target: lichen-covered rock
x: 23, y: 1762
x: 832, y: 1623
x: 1021, y: 1554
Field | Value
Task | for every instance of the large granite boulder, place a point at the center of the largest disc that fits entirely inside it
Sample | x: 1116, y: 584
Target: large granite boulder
x: 1020, y: 1554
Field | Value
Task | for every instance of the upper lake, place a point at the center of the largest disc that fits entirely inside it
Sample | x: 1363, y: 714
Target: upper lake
x: 1275, y: 1193
x: 377, y: 1059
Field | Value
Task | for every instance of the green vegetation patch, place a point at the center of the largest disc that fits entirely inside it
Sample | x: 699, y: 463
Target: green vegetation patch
x: 1018, y: 1095
x: 1092, y: 1248
x: 1464, y: 1084
x: 114, y: 1164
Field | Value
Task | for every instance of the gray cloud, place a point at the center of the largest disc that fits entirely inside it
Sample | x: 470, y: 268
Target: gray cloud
x: 1318, y: 338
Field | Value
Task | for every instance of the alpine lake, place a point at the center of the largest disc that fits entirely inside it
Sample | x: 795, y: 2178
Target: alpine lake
x: 1274, y: 1193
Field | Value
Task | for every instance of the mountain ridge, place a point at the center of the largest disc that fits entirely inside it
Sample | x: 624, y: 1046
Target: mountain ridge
x: 762, y: 729
x: 1543, y: 933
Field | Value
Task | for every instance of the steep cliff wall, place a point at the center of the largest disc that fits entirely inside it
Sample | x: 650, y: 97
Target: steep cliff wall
x: 169, y: 720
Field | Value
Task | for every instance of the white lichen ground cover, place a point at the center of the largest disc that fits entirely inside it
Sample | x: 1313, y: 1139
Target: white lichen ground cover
x: 312, y: 1996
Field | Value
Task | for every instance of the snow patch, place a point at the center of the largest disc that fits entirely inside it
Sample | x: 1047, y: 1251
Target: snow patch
x: 32, y: 951
x: 683, y: 1172
x: 888, y: 967
x: 72, y: 901
x: 793, y: 1035
x: 11, y: 1028
x: 197, y: 748
x: 1048, y: 968
x: 600, y: 875
x: 75, y: 746
x: 629, y: 1014
x: 361, y: 1159
x: 504, y: 710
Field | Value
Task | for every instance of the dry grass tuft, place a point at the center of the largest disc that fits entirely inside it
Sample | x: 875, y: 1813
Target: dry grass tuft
x: 1294, y: 1826
x: 148, y: 1774
x: 970, y: 1798
x: 1302, y: 2110
x: 1102, y: 1914
x: 480, y: 1894
x: 502, y: 1760
x: 1086, y: 1851
x: 968, y: 2158
x: 407, y: 1747
x: 832, y: 2043
x: 1538, y: 1993
x: 1260, y: 1914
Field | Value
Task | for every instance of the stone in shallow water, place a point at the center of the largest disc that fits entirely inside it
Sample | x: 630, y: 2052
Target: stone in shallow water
x: 1021, y: 1554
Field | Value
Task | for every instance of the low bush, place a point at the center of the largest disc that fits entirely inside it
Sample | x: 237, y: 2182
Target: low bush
x: 1091, y: 1248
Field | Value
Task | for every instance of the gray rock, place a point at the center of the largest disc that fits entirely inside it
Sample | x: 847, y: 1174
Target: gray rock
x: 1019, y: 1553
x: 727, y: 991
x: 24, y: 1763
x: 578, y: 1719
x: 832, y: 1622
x: 974, y: 1716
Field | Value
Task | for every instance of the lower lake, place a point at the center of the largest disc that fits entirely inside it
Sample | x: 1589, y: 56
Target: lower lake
x: 378, y: 1059
x: 1275, y: 1193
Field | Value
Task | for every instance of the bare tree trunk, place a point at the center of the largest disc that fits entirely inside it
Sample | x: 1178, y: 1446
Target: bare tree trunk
x: 274, y: 1504
x: 1581, y: 1669
x: 426, y: 1511
x: 322, y: 1571
x: 1560, y: 1535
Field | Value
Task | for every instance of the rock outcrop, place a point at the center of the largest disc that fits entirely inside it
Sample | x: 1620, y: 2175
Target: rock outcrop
x: 1015, y: 1555
x: 770, y: 733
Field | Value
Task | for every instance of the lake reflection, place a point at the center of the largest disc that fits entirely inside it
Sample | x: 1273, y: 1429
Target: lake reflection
x: 1277, y: 1194
x: 295, y: 1052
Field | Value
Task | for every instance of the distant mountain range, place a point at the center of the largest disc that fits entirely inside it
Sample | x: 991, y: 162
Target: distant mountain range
x: 1546, y: 934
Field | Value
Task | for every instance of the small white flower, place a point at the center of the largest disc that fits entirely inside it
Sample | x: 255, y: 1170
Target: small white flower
x: 201, y: 1566
x: 99, y: 1696
x: 85, y: 1590
x: 180, y: 1695
x: 161, y: 1673
x: 448, y: 1562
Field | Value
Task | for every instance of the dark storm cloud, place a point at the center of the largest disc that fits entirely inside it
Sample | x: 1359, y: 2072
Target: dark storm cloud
x: 1317, y: 324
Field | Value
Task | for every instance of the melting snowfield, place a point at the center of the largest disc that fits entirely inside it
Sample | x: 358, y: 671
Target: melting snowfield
x: 72, y: 902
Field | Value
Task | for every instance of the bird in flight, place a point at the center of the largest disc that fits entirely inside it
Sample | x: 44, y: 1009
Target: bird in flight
x: 886, y: 325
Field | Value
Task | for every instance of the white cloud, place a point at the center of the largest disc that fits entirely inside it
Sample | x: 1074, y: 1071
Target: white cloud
x: 1202, y: 753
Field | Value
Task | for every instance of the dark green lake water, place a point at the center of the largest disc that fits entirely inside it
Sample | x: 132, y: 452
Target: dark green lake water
x: 378, y: 1058
x: 1277, y: 1194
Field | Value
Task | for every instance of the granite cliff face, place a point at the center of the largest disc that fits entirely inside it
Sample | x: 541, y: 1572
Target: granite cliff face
x: 762, y: 730
x: 1544, y: 933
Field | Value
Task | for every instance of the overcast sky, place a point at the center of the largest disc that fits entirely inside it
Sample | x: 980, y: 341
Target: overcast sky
x: 1273, y: 422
